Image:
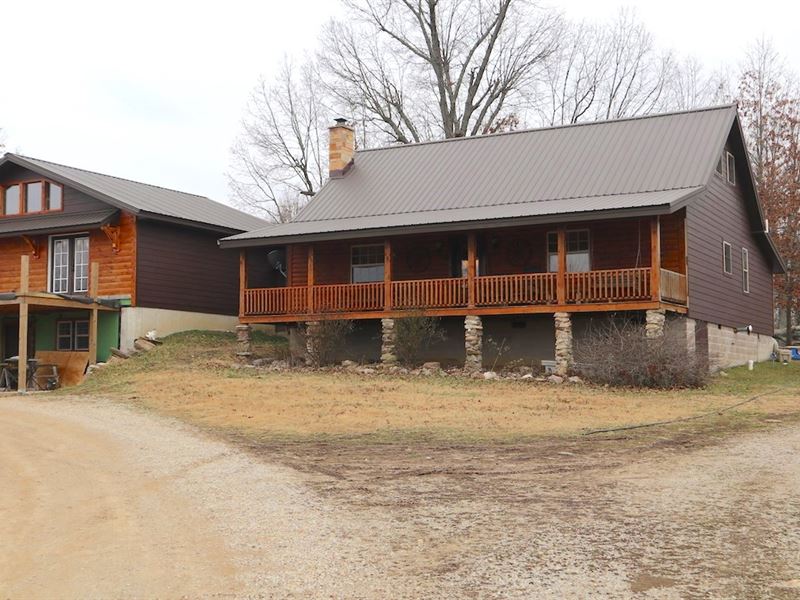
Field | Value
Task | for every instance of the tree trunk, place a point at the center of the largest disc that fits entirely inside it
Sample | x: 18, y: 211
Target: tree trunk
x: 789, y: 332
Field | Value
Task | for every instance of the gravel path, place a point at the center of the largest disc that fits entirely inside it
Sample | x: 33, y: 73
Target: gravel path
x: 101, y: 501
x: 98, y: 500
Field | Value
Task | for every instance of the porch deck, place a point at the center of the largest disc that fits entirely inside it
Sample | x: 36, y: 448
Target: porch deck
x: 611, y: 289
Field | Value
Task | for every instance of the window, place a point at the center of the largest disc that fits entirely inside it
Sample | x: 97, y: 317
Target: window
x: 727, y: 258
x: 72, y: 336
x: 731, y: 162
x: 69, y: 265
x: 34, y: 197
x: 366, y: 263
x: 12, y: 204
x: 30, y: 197
x: 720, y: 168
x: 578, y: 256
x: 53, y: 194
x: 745, y: 271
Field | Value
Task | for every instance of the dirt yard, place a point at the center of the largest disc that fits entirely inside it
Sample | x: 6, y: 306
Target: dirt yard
x: 176, y: 475
x: 100, y: 500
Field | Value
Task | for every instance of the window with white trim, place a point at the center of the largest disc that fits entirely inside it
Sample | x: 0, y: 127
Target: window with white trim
x: 720, y: 168
x: 745, y: 270
x: 578, y: 251
x: 731, y: 170
x: 69, y: 265
x: 727, y: 258
x: 72, y: 336
x: 366, y: 263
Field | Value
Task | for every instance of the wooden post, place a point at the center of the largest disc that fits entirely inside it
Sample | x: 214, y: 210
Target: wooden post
x: 24, y: 274
x: 561, y: 280
x: 655, y: 259
x: 93, y: 336
x: 242, y: 279
x: 310, y: 278
x: 387, y: 275
x: 472, y: 251
x: 22, y: 385
x: 94, y: 279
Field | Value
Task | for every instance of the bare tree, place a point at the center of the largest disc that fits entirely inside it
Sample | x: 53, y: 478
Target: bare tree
x: 280, y: 157
x: 438, y: 68
x: 770, y: 107
x: 604, y: 72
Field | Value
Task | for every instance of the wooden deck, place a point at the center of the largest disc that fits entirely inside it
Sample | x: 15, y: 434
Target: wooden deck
x: 613, y: 289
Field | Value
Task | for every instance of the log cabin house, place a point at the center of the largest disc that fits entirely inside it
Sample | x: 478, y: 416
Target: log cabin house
x: 524, y: 239
x: 89, y: 262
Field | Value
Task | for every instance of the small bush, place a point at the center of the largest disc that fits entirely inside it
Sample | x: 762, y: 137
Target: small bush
x: 620, y: 354
x: 324, y: 339
x: 414, y: 335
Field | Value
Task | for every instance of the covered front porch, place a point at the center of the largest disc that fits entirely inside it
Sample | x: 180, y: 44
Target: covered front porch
x: 623, y: 264
x: 36, y: 322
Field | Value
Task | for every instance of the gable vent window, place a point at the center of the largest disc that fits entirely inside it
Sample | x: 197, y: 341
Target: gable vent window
x: 30, y: 197
x: 745, y: 271
x: 727, y: 258
x: 731, y: 168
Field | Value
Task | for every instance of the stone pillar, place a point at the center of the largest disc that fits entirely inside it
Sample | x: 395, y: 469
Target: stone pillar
x: 388, y: 342
x: 473, y: 343
x: 244, y: 343
x: 312, y: 334
x: 654, y: 323
x: 563, y: 322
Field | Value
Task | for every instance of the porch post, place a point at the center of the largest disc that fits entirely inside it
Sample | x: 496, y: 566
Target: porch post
x: 24, y: 274
x: 242, y: 279
x: 561, y: 280
x: 94, y: 283
x: 22, y: 384
x: 310, y: 278
x: 472, y: 251
x: 93, y: 337
x: 655, y: 259
x: 387, y: 275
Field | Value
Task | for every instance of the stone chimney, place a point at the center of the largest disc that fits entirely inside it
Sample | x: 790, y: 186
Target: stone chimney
x: 341, y: 148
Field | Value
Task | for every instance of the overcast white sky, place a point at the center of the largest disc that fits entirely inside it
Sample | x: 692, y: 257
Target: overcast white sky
x: 154, y: 90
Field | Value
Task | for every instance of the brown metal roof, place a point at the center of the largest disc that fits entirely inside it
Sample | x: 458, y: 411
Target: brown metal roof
x: 55, y: 222
x: 143, y: 199
x: 632, y: 163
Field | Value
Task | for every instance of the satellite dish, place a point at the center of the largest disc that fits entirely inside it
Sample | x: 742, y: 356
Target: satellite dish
x: 276, y: 259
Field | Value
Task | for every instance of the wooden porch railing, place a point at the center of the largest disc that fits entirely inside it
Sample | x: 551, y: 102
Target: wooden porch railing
x: 348, y: 297
x: 430, y: 293
x: 510, y: 290
x: 275, y: 301
x: 673, y: 287
x: 612, y: 285
x: 593, y: 287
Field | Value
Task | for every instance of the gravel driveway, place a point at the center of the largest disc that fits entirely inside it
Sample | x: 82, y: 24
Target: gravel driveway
x: 98, y: 500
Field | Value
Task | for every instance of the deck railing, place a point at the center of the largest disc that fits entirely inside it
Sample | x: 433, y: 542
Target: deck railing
x: 673, y: 286
x: 611, y: 286
x: 348, y: 297
x: 514, y: 290
x: 430, y: 293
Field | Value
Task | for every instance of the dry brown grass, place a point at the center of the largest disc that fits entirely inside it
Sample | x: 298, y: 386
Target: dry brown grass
x: 191, y: 378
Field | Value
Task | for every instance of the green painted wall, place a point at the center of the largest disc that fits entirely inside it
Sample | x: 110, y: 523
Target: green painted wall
x: 107, y: 330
